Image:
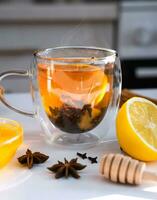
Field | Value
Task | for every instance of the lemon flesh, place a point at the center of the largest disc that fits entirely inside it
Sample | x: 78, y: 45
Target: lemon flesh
x: 143, y: 116
x: 136, y: 127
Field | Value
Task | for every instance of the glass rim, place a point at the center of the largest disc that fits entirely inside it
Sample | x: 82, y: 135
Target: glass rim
x: 85, y: 60
x: 10, y: 121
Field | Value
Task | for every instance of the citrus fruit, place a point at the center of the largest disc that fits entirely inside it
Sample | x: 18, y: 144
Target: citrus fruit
x: 136, y: 127
x: 11, y: 136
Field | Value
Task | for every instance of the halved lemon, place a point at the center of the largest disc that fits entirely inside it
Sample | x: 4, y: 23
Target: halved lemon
x: 11, y: 136
x: 136, y: 127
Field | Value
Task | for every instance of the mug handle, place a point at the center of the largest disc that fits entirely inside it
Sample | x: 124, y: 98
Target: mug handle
x: 2, y: 98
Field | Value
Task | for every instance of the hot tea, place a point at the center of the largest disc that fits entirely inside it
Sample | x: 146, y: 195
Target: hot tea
x: 75, y: 89
x: 75, y: 96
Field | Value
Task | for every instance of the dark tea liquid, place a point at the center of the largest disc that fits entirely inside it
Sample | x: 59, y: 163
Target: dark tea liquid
x: 75, y: 97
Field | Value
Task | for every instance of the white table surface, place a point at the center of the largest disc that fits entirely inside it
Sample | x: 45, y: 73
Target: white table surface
x: 19, y: 183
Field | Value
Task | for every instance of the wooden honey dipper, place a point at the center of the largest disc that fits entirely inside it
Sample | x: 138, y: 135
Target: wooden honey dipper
x: 124, y: 169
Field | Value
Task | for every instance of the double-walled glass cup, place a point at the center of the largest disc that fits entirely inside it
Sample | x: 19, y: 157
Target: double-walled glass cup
x: 75, y: 91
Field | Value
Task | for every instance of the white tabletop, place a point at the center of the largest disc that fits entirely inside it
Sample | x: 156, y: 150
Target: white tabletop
x: 19, y: 183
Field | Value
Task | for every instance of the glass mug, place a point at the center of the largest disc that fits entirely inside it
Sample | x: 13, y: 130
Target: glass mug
x: 75, y: 93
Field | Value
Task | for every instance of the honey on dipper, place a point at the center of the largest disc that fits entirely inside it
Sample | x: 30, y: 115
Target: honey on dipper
x: 124, y: 169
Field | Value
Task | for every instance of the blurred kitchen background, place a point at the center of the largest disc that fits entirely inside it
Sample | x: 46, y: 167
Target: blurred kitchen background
x: 130, y: 27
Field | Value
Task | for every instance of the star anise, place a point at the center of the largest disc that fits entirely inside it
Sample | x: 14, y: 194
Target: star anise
x: 67, y: 168
x: 30, y: 158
